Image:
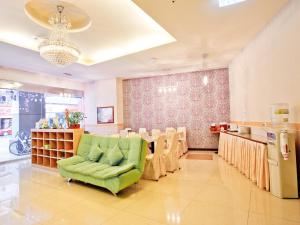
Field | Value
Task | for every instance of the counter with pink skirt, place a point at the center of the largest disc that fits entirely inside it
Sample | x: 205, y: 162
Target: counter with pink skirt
x: 248, y: 154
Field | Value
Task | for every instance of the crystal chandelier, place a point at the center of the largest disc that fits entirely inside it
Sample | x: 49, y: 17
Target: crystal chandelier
x: 57, y: 49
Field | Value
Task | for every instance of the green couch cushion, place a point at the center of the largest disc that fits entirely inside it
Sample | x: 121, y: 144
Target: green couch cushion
x: 95, y: 153
x: 85, y: 145
x: 134, y: 155
x: 114, y: 156
x: 78, y: 167
x: 87, y: 168
x: 90, y: 170
x: 70, y: 161
x: 113, y: 171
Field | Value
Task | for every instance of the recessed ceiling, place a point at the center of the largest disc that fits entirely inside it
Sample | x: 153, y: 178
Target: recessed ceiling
x: 118, y: 27
x: 199, y: 26
x: 40, y: 11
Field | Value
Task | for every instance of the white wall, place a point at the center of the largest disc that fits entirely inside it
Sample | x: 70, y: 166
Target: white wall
x: 103, y: 93
x: 268, y: 70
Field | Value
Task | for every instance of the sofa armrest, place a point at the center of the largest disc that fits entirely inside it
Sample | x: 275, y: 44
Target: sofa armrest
x: 129, y: 178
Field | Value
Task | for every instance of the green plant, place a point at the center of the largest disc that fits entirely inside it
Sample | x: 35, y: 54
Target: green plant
x: 75, y: 117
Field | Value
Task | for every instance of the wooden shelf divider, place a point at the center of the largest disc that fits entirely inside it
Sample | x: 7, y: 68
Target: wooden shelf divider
x: 51, y: 145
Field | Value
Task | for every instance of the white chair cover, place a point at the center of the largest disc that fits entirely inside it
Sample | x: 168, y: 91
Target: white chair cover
x: 123, y: 133
x: 155, y: 165
x: 155, y: 133
x: 172, y: 161
x: 182, y: 138
x: 169, y: 132
x: 133, y: 134
x: 146, y: 137
x: 142, y: 130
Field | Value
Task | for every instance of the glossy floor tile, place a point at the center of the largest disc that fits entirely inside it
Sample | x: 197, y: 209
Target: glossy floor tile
x: 203, y: 192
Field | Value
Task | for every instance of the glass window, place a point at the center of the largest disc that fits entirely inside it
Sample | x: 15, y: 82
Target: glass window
x: 56, y: 106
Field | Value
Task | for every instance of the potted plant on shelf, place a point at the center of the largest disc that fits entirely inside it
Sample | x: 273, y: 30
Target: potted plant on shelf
x: 74, y: 119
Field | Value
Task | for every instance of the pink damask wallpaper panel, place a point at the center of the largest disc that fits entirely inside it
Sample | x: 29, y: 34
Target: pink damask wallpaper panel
x: 193, y: 105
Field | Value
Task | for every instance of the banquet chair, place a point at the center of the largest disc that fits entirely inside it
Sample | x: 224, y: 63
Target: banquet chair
x: 133, y: 134
x: 172, y: 160
x: 142, y: 130
x: 155, y: 165
x: 146, y: 136
x: 169, y: 132
x: 123, y: 133
x: 155, y: 133
x: 182, y: 140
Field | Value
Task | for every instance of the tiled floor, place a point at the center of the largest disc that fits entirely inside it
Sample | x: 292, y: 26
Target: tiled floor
x: 204, y: 192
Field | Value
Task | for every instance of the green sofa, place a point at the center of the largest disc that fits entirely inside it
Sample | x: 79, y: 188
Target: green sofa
x: 101, y: 173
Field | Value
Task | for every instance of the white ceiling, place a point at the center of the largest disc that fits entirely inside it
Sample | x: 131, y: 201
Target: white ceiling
x: 118, y: 28
x: 199, y: 26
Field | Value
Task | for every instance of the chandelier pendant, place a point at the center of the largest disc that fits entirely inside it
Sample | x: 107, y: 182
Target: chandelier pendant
x: 58, y: 50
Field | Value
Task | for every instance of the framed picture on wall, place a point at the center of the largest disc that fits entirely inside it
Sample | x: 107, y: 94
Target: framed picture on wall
x: 105, y: 114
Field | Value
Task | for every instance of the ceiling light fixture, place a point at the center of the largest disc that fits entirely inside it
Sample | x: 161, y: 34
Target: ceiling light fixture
x: 167, y: 89
x: 204, y: 68
x: 223, y: 3
x: 57, y: 49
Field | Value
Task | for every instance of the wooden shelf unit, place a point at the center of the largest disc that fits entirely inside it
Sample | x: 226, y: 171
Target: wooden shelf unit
x: 50, y: 145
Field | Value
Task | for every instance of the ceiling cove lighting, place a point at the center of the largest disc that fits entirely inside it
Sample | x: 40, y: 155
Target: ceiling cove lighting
x: 10, y: 84
x: 224, y: 3
x: 57, y: 49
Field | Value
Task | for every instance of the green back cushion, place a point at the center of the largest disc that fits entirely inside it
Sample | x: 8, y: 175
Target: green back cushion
x: 131, y: 148
x: 84, y: 145
x: 95, y: 153
x: 134, y: 155
x: 115, y: 156
x: 107, y: 143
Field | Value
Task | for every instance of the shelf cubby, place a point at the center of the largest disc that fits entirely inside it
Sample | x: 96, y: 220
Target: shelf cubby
x: 53, y: 163
x: 46, y: 135
x: 53, y: 153
x: 68, y: 136
x: 68, y: 146
x: 46, y: 161
x: 40, y: 152
x: 60, y: 145
x: 34, y: 135
x: 69, y: 154
x: 52, y: 135
x: 46, y: 144
x: 60, y: 136
x: 53, y: 144
x: 34, y: 143
x: 34, y: 151
x: 34, y: 159
x: 61, y: 155
x: 50, y: 145
x: 40, y: 135
x: 40, y: 160
x: 39, y: 144
x: 46, y: 153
